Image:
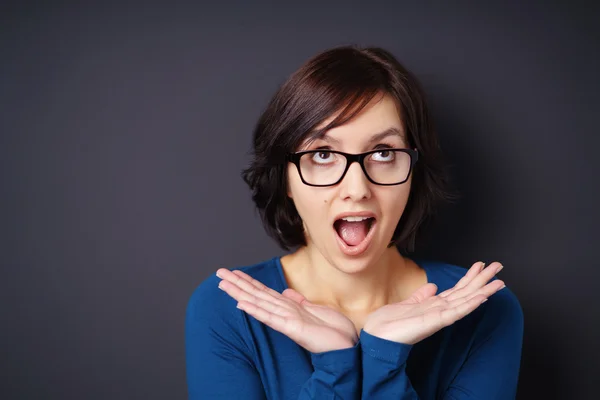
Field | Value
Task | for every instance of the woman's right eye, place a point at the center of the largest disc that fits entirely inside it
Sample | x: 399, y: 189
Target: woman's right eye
x: 322, y: 157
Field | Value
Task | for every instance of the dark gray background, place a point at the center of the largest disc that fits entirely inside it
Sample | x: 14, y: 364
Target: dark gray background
x: 124, y: 130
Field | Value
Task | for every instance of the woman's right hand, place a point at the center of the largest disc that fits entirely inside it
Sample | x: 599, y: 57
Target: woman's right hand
x: 423, y: 314
x: 316, y: 328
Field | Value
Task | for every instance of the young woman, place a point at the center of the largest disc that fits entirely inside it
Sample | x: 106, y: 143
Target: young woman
x: 346, y: 169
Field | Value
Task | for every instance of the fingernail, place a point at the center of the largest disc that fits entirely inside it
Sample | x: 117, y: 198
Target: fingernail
x: 238, y: 306
x: 218, y: 274
x: 220, y: 287
x: 482, y: 267
x: 484, y: 300
x: 499, y: 268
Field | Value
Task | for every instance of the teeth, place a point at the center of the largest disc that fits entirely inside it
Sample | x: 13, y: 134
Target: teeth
x: 355, y: 219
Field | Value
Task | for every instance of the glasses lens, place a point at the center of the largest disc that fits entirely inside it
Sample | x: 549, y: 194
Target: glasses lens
x: 326, y: 168
x: 388, y: 166
x: 322, y: 167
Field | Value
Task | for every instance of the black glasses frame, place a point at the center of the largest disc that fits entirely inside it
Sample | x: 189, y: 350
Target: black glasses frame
x: 352, y: 158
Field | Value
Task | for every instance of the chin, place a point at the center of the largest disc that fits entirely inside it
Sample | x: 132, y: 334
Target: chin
x: 357, y: 264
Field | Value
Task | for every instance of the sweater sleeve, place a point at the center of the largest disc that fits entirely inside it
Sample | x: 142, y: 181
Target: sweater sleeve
x: 384, y: 369
x: 220, y: 362
x: 490, y: 370
x: 337, y: 375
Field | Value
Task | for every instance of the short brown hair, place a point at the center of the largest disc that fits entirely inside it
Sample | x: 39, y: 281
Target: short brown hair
x: 343, y: 79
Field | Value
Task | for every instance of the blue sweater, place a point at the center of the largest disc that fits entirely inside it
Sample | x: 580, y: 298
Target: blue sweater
x: 231, y: 355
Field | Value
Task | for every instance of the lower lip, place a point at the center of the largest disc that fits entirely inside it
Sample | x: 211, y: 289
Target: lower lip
x: 359, y: 248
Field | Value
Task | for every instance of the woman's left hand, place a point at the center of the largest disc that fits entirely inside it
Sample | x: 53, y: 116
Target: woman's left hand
x: 424, y: 313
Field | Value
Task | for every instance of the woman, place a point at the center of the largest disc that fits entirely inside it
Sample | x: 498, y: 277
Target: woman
x: 346, y: 168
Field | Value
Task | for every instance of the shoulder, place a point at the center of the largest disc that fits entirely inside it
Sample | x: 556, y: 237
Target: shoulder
x: 208, y: 302
x: 502, y: 315
x: 213, y: 323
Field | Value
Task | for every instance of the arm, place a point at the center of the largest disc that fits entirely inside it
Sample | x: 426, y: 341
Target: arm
x: 384, y: 369
x: 220, y: 363
x: 490, y: 370
x: 336, y: 375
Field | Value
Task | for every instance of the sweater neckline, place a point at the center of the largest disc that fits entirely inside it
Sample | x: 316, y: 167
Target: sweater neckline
x: 421, y: 263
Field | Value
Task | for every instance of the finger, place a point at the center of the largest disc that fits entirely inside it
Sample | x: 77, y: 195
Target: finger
x: 259, y: 285
x: 294, y: 295
x: 275, y: 321
x: 471, y: 273
x: 246, y: 286
x: 478, y: 282
x: 421, y: 294
x: 486, y: 291
x: 451, y: 315
x: 475, y: 283
x: 265, y: 302
x: 241, y: 295
x: 440, y: 316
x: 443, y: 303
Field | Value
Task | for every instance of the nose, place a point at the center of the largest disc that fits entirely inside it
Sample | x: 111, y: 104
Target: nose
x: 355, y: 184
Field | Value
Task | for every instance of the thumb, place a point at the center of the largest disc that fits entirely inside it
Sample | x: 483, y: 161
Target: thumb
x: 422, y: 293
x: 293, y: 295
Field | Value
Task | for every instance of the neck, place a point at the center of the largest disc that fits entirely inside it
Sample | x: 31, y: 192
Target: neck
x: 359, y: 290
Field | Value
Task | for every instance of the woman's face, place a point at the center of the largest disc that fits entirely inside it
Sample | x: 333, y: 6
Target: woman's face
x: 349, y: 244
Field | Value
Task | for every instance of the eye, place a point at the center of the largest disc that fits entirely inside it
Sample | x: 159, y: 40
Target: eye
x: 384, y: 155
x: 323, y: 157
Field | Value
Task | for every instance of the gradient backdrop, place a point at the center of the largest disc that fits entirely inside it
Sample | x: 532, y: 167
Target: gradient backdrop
x: 124, y: 130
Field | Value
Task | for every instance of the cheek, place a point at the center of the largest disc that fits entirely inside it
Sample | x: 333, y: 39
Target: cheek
x: 310, y: 205
x: 394, y: 202
x: 308, y: 201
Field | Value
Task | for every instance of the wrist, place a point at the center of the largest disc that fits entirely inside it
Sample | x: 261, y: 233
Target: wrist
x: 346, y: 345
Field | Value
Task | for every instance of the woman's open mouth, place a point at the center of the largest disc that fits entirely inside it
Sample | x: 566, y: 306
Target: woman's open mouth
x: 354, y: 233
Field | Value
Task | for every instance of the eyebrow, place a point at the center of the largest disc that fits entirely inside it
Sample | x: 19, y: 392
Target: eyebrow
x: 392, y: 131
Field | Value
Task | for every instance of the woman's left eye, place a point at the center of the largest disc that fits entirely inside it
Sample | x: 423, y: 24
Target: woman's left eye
x: 383, y: 155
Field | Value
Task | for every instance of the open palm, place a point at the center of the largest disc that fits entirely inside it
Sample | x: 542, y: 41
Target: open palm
x: 316, y: 328
x: 423, y: 314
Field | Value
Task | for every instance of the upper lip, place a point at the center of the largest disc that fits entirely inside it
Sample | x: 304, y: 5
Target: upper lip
x: 368, y: 214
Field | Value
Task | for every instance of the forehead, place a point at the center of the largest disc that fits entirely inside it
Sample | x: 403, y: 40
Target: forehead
x: 380, y: 115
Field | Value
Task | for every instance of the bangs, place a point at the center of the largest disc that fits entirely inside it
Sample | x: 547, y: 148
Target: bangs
x: 346, y: 109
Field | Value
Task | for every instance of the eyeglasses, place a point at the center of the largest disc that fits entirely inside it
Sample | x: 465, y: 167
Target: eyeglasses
x: 328, y: 167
